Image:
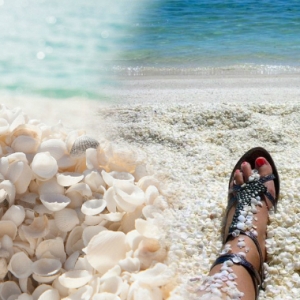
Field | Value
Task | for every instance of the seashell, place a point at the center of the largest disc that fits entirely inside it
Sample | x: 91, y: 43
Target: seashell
x: 44, y: 166
x: 9, y: 288
x: 56, y: 147
x: 128, y: 196
x: 74, y: 241
x: 75, y: 278
x: 8, y: 228
x: 150, y: 211
x: 8, y: 191
x: 4, y: 126
x: 40, y: 290
x: 109, y: 197
x: 50, y: 294
x: 63, y: 291
x: 66, y: 219
x: 15, y: 213
x: 46, y: 266
x: 55, y: 202
x: 130, y: 264
x: 145, y: 228
x: 53, y: 248
x: 85, y: 292
x: 20, y: 265
x: 147, y: 181
x: 69, y: 178
x: 20, y: 174
x: 149, y: 251
x: 94, y: 180
x: 81, y: 144
x: 93, y: 207
x: 89, y: 232
x: 82, y: 188
x: 91, y: 159
x: 159, y: 275
x: 113, y: 217
x: 105, y: 296
x: 83, y: 264
x: 128, y: 220
x: 112, y: 247
x: 26, y: 138
x: 151, y: 194
x: 92, y: 220
x: 112, y: 285
x: 71, y: 261
x: 133, y: 239
x: 50, y: 186
x: 3, y: 268
x: 112, y: 177
x: 38, y: 228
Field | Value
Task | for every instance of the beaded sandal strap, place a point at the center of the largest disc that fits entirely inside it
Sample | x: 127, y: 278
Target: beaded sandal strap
x: 238, y: 259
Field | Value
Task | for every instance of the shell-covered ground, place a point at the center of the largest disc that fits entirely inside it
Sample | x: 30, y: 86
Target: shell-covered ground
x: 174, y: 160
x: 192, y: 148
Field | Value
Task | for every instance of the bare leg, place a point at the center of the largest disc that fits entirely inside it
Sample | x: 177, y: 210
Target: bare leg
x: 241, y: 285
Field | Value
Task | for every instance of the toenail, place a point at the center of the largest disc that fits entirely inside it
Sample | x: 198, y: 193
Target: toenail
x: 260, y: 161
x: 244, y: 163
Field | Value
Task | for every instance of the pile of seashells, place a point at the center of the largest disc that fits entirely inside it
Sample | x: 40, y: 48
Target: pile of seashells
x: 77, y: 218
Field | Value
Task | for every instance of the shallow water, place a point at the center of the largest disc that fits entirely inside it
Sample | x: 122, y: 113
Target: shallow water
x: 70, y: 48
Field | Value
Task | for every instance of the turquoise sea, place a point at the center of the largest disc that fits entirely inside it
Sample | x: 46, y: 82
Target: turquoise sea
x: 66, y: 48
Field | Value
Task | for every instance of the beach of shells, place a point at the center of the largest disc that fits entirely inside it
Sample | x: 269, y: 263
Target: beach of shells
x: 192, y: 147
x: 76, y: 217
x: 137, y: 213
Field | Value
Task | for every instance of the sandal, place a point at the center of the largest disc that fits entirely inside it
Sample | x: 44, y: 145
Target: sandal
x: 246, y: 197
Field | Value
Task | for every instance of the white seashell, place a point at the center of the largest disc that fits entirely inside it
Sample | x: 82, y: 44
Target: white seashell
x: 40, y: 290
x: 74, y: 241
x: 26, y: 144
x: 50, y: 294
x: 8, y: 228
x: 56, y: 147
x: 128, y: 220
x: 20, y: 265
x: 111, y: 178
x: 3, y: 268
x: 8, y: 191
x: 151, y: 194
x: 112, y: 247
x: 109, y: 197
x: 9, y: 288
x: 93, y: 207
x: 159, y: 275
x: 91, y: 159
x: 53, y: 248
x: 85, y: 292
x: 50, y: 186
x: 81, y: 144
x: 82, y: 188
x: 71, y: 261
x: 55, y: 202
x: 94, y: 180
x: 147, y: 181
x: 92, y: 220
x: 46, y: 266
x: 241, y: 218
x: 130, y: 264
x: 128, y: 196
x: 241, y: 226
x: 69, y: 178
x: 4, y: 126
x: 133, y: 239
x: 20, y: 174
x: 66, y: 219
x: 113, y: 217
x: 83, y: 264
x: 105, y: 296
x: 89, y: 232
x: 75, y: 278
x: 44, y: 166
x: 15, y: 213
x: 38, y: 228
x: 63, y: 291
x: 111, y: 285
x: 76, y: 200
x: 147, y: 229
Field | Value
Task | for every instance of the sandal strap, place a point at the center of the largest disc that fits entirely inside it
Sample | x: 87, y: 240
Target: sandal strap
x: 256, y: 243
x: 238, y: 259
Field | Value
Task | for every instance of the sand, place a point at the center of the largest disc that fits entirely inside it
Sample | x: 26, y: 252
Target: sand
x: 191, y: 131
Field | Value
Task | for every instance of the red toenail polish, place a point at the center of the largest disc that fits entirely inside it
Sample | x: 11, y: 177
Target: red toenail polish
x: 260, y: 161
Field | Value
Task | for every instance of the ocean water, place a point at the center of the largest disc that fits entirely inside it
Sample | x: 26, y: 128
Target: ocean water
x: 66, y: 48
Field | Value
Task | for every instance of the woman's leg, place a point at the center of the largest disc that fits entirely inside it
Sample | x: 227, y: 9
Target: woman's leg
x: 230, y: 279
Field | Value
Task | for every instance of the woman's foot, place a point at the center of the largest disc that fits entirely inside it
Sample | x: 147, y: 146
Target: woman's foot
x: 238, y: 270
